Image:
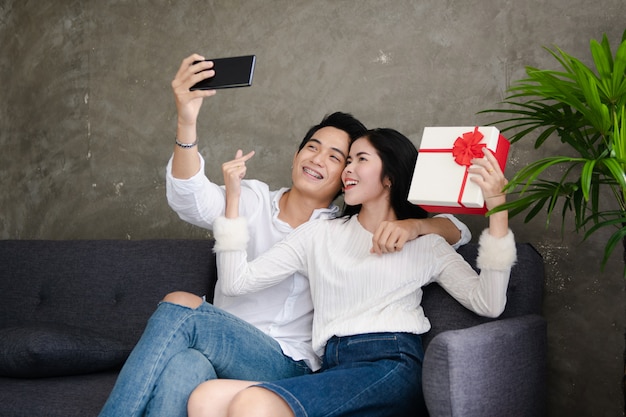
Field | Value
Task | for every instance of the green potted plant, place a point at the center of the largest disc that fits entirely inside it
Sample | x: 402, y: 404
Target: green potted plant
x: 584, y: 107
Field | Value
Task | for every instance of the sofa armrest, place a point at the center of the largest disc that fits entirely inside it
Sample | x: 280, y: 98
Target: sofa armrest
x: 493, y: 369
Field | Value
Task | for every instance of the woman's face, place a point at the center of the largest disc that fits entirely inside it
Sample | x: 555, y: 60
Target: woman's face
x: 361, y: 176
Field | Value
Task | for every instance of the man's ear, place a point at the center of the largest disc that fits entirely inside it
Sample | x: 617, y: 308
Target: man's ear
x: 293, y: 161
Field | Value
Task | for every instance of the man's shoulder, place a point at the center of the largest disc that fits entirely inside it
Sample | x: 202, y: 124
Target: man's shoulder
x: 261, y: 190
x: 256, y: 185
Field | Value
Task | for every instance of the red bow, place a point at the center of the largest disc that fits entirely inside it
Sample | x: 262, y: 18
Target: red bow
x: 468, y: 147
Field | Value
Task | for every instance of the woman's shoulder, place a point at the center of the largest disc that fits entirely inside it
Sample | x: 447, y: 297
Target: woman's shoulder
x: 322, y: 226
x: 430, y: 242
x: 312, y: 226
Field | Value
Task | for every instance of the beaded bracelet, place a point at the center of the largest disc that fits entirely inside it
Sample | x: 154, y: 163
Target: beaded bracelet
x: 186, y: 145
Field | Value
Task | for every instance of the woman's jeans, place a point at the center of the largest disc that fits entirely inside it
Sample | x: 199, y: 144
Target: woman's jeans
x: 183, y: 347
x: 373, y: 375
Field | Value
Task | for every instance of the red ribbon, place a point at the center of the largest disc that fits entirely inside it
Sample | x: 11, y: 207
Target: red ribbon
x: 468, y: 147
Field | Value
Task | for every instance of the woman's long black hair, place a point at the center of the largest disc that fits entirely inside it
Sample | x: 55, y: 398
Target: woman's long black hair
x: 398, y: 155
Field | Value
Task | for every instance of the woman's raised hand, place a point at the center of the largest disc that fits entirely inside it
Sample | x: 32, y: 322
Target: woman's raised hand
x: 491, y: 180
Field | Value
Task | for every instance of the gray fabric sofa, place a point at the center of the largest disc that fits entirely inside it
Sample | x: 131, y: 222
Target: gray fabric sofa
x: 71, y: 312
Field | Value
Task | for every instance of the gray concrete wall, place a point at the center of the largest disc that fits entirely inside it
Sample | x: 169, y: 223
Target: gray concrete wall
x: 87, y: 121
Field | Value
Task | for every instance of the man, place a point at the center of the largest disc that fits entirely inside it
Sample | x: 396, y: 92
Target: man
x: 261, y: 336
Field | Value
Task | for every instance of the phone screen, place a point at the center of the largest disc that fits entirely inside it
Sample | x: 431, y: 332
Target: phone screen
x: 229, y: 73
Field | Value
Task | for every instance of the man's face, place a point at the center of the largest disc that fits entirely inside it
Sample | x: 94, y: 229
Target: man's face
x: 317, y: 167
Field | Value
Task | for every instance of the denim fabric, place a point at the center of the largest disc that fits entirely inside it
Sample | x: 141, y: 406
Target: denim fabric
x: 377, y: 374
x: 185, y: 371
x: 164, y: 366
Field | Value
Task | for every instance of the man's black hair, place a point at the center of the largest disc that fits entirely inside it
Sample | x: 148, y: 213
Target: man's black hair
x: 342, y: 121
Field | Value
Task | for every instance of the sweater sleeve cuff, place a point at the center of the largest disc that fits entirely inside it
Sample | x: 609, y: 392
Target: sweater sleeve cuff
x: 498, y: 253
x: 230, y: 234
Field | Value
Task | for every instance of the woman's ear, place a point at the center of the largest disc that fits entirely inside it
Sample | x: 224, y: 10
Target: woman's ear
x: 387, y: 182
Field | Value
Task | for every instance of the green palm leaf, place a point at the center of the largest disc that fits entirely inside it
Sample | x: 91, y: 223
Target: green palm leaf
x: 584, y: 107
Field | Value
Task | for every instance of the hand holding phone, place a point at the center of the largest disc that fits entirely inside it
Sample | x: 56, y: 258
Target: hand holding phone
x: 229, y: 73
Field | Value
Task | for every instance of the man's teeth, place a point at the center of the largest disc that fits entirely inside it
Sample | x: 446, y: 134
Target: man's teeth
x: 312, y: 173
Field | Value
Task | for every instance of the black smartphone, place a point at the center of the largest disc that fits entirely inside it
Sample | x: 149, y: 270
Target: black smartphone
x: 230, y: 72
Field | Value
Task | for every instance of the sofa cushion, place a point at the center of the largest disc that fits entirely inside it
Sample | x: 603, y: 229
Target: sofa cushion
x: 109, y: 286
x: 45, y: 350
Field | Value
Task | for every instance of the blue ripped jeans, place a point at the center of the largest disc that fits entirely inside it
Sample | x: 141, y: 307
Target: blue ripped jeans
x: 182, y: 347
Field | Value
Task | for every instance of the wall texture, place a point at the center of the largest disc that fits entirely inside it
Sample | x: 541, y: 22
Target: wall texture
x: 87, y: 121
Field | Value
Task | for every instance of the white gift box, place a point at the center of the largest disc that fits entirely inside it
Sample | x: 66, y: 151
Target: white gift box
x: 441, y: 180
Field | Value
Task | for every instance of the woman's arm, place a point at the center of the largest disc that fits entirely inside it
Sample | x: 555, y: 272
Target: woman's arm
x: 237, y: 275
x: 485, y: 294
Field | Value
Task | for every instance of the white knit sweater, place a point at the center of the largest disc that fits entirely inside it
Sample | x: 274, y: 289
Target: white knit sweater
x: 357, y: 292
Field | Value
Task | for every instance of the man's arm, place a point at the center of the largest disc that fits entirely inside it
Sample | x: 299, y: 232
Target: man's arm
x: 391, y: 236
x: 186, y: 161
x: 189, y: 193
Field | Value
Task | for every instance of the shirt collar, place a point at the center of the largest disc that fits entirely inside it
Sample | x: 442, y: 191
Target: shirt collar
x: 329, y: 212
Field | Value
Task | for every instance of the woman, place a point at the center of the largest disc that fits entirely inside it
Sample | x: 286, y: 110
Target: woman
x: 368, y: 320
